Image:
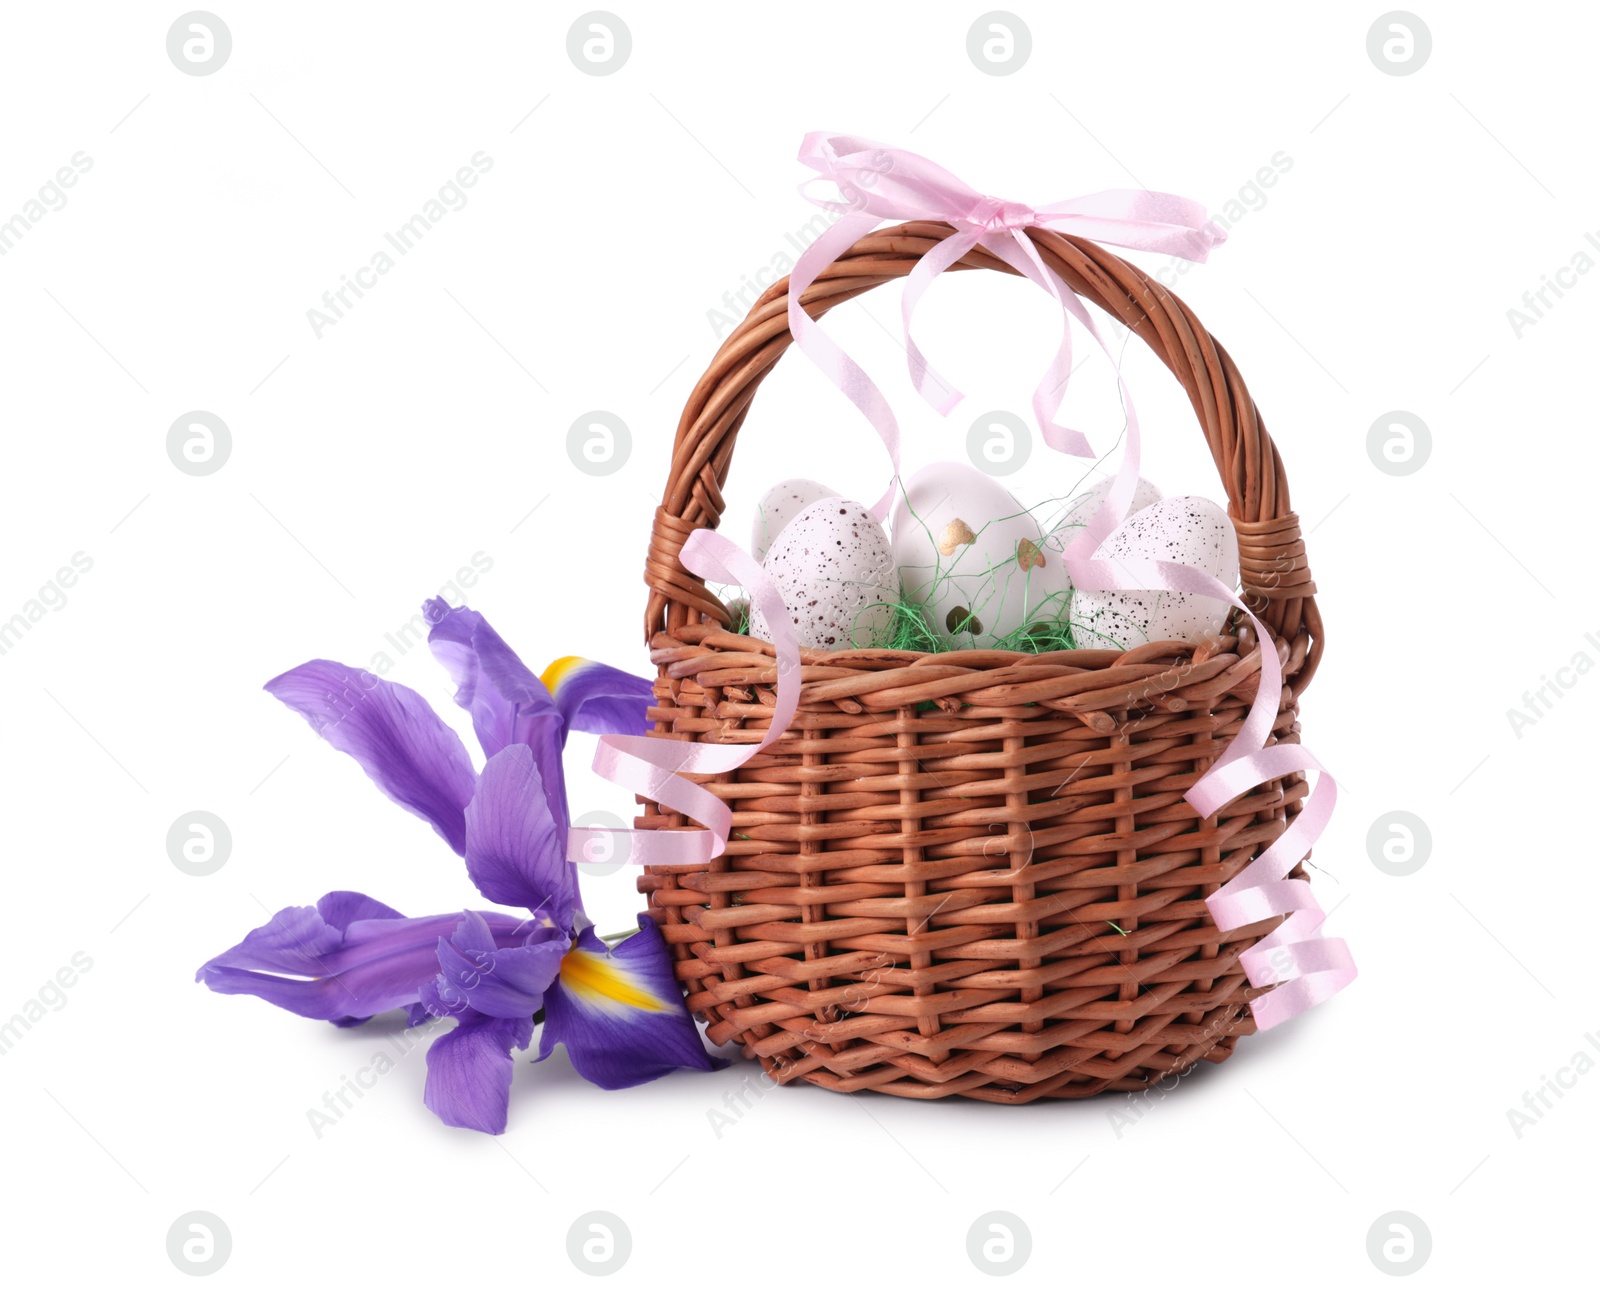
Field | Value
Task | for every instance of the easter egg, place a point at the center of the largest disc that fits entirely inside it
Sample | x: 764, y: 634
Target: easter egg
x: 973, y: 558
x: 1082, y: 507
x: 780, y: 504
x: 1178, y: 530
x: 833, y: 567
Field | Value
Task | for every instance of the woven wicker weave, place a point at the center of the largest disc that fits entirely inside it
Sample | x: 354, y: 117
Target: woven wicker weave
x: 973, y: 874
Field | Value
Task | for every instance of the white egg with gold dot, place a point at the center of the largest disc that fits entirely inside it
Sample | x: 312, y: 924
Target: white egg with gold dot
x: 973, y: 558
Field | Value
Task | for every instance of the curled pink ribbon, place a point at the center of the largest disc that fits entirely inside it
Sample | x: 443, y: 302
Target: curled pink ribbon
x: 1305, y: 967
x: 653, y: 767
x: 878, y: 182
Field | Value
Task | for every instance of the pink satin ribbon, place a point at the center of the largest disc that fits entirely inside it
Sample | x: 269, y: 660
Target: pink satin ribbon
x: 653, y: 767
x: 1305, y: 967
x: 878, y: 182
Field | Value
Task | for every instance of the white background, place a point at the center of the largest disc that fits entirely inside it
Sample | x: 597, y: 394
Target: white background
x: 369, y: 464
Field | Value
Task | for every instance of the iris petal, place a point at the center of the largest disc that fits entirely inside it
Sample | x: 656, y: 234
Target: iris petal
x: 596, y: 699
x: 620, y: 1014
x: 469, y: 1071
x: 304, y: 961
x: 508, y: 703
x: 508, y: 982
x: 341, y: 908
x: 415, y: 758
x: 515, y: 854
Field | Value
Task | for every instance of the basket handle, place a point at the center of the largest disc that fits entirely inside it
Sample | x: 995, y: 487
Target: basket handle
x: 1275, y: 577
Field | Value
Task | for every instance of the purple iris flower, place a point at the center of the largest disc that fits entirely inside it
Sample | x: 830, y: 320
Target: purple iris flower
x: 617, y: 1010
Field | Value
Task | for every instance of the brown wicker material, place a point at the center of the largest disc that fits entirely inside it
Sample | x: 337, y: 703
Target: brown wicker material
x: 974, y: 874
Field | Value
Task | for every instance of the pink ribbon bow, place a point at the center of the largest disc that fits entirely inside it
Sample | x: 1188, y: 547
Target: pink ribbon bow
x: 1305, y: 968
x: 877, y: 182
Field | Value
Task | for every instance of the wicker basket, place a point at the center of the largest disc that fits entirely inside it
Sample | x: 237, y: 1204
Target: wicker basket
x: 974, y: 874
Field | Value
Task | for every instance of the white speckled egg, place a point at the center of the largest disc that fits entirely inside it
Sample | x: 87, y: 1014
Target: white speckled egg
x: 1082, y: 507
x: 1179, y: 530
x: 833, y: 567
x: 780, y: 504
x: 973, y: 557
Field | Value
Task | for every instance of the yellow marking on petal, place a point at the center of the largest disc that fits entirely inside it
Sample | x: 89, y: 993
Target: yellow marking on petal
x: 559, y: 670
x: 595, y: 978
